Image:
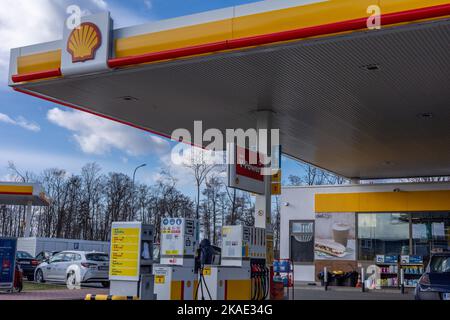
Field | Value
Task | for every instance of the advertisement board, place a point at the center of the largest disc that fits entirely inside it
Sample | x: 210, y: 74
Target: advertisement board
x: 335, y: 237
x: 387, y: 259
x: 8, y: 247
x: 405, y: 259
x: 125, y: 251
x: 245, y: 170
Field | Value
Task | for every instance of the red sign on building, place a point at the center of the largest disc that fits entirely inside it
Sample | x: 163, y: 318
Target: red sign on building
x: 245, y: 172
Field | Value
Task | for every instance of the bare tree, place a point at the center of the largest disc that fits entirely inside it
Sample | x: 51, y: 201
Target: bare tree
x: 314, y: 176
x: 212, y: 192
x: 200, y: 167
x: 276, y: 221
x: 84, y: 206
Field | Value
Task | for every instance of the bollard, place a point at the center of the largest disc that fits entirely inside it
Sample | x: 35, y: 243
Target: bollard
x: 402, y: 280
x: 325, y: 277
x: 102, y: 297
x: 363, y: 280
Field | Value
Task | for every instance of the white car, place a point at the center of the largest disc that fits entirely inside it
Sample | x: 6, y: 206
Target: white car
x: 75, y: 268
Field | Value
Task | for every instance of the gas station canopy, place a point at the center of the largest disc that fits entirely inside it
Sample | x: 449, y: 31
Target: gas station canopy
x: 22, y: 194
x: 361, y: 103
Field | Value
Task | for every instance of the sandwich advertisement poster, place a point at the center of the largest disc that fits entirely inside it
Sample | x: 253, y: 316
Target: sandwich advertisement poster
x: 335, y: 237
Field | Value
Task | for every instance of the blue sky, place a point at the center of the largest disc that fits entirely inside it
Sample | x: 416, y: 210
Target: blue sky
x: 38, y: 134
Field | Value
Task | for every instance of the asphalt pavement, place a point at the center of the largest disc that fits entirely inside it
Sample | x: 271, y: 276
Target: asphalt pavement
x: 301, y: 293
x: 319, y: 293
x: 33, y: 291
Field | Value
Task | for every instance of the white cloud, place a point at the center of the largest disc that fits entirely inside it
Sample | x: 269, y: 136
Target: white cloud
x: 148, y: 4
x: 21, y: 122
x: 29, y: 159
x: 101, y: 4
x: 27, y: 22
x: 186, y: 154
x: 37, y: 161
x: 96, y: 135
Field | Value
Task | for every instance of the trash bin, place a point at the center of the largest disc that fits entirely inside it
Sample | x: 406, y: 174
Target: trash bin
x: 277, y: 291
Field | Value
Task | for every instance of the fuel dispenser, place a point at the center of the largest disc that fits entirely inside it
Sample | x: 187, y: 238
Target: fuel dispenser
x: 175, y: 277
x: 242, y: 274
x: 130, y: 271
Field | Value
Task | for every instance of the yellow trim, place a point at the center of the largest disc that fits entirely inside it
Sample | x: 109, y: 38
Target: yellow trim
x: 99, y: 297
x: 411, y: 201
x: 300, y: 17
x: 239, y: 290
x: 123, y: 298
x: 39, y: 62
x: 174, y: 38
x: 176, y: 290
x: 16, y: 189
x: 194, y: 290
x: 391, y: 6
x: 261, y: 23
x: 104, y: 297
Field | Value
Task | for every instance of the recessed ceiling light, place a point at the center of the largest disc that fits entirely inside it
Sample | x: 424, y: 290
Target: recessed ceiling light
x: 128, y: 98
x: 425, y: 115
x: 371, y: 67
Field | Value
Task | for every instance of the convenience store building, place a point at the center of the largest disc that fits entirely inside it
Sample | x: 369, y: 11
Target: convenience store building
x: 349, y: 226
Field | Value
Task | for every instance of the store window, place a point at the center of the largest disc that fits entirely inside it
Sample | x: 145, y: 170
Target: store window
x: 430, y: 232
x: 302, y: 241
x: 403, y: 234
x: 382, y: 234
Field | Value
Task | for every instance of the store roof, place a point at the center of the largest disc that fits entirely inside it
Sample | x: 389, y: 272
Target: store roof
x: 360, y: 103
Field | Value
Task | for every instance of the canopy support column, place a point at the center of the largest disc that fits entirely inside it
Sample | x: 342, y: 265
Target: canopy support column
x: 28, y: 216
x: 264, y: 202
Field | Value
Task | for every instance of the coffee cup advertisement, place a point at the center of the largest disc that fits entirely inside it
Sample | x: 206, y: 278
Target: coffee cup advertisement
x: 335, y: 237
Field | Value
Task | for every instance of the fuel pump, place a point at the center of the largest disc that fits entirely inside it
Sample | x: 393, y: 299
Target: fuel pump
x: 130, y: 271
x: 175, y: 277
x: 205, y: 258
x: 242, y: 274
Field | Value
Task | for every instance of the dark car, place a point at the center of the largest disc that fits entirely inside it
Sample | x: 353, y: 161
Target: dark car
x: 435, y: 282
x: 44, y: 256
x: 27, y: 263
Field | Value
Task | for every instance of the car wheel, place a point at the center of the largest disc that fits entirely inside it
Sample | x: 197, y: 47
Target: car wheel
x: 71, y: 280
x: 105, y: 284
x: 39, y: 276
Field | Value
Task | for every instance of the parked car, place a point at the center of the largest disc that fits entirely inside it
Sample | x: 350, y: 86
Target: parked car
x: 75, y: 267
x: 435, y: 282
x: 44, y: 256
x: 27, y: 264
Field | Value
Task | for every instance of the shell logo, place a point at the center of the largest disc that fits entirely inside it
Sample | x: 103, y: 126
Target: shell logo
x: 84, y: 41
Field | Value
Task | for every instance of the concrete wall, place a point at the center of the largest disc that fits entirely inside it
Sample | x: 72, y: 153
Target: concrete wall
x: 36, y: 245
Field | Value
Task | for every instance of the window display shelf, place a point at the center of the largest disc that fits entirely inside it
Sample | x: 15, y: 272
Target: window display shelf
x: 389, y: 274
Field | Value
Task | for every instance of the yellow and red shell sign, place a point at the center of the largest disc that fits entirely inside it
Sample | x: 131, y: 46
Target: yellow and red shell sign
x: 84, y: 41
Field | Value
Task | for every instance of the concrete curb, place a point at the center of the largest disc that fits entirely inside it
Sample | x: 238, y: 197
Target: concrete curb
x: 349, y: 289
